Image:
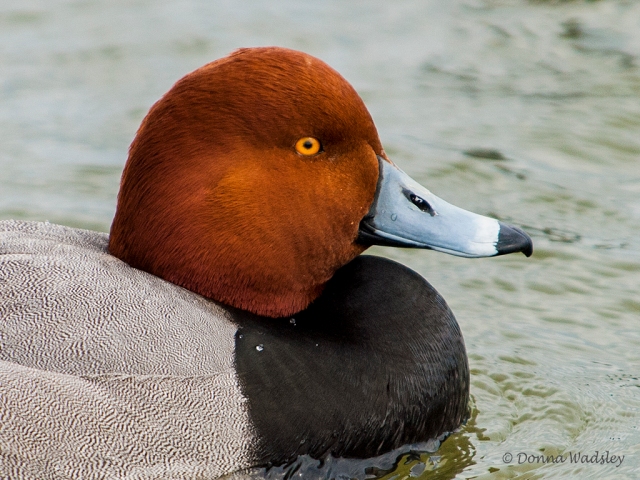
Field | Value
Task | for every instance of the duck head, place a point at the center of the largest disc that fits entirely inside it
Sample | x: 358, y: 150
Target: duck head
x: 258, y: 175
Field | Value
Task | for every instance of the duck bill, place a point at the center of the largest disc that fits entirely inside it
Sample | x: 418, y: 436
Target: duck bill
x: 405, y: 214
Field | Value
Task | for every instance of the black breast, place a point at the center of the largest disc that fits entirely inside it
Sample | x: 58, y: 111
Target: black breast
x: 377, y: 362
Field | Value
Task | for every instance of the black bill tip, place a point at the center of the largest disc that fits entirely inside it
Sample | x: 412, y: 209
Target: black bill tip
x: 513, y: 239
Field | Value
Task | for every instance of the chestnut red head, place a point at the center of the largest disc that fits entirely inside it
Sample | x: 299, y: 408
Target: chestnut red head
x: 247, y: 181
x: 259, y: 175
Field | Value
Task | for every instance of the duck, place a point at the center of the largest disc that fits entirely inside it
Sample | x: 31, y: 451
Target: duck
x: 228, y: 321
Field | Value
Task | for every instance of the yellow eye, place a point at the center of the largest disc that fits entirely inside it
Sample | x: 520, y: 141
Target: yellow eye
x: 308, y: 146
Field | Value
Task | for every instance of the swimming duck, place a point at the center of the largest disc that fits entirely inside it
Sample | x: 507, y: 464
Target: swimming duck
x: 229, y: 320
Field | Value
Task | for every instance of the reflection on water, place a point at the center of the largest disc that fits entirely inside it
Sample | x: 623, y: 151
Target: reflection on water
x: 429, y: 460
x: 526, y: 111
x: 454, y: 456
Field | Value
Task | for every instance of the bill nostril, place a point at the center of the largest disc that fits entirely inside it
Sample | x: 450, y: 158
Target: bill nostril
x: 420, y: 202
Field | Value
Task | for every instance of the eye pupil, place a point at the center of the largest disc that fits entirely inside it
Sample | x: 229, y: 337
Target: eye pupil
x: 308, y: 144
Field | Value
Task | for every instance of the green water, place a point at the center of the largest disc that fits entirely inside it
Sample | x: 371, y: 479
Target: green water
x: 526, y: 111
